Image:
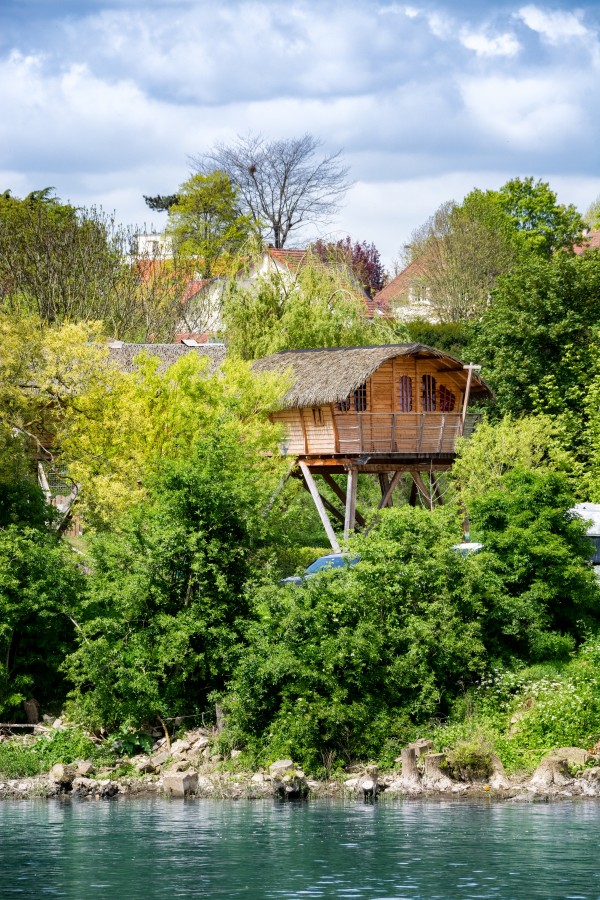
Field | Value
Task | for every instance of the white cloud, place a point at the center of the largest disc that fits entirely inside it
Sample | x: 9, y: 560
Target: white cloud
x: 555, y: 26
x: 420, y: 102
x: 534, y: 114
x: 499, y: 45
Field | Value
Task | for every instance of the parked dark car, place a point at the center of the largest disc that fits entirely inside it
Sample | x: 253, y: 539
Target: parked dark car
x: 331, y: 561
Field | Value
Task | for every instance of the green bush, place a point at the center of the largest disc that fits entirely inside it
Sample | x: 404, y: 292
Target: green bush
x: 470, y: 759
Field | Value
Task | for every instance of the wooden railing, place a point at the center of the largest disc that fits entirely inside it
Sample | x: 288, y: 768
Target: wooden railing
x: 365, y: 432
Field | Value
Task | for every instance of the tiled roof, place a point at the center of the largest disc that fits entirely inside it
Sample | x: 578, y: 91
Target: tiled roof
x: 293, y: 259
x: 399, y: 286
x: 592, y: 242
x: 193, y: 287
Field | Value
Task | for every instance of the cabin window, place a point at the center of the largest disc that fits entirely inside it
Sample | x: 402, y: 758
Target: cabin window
x: 429, y: 395
x: 318, y: 415
x: 360, y: 398
x: 343, y: 405
x: 447, y: 399
x: 405, y: 399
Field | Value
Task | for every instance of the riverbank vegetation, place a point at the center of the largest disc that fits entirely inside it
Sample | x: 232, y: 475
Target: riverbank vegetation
x: 172, y: 609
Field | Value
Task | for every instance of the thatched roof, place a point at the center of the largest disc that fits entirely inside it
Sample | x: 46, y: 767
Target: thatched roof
x: 329, y: 376
x: 123, y: 355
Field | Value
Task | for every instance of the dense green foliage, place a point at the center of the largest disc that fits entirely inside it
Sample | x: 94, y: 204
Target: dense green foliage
x: 317, y: 306
x: 538, y: 338
x: 350, y: 663
x: 179, y: 607
x: 40, y: 597
x: 166, y: 605
x: 205, y: 222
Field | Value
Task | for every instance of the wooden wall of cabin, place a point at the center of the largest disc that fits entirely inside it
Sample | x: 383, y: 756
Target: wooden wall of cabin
x: 309, y: 430
x: 383, y: 388
x: 327, y: 430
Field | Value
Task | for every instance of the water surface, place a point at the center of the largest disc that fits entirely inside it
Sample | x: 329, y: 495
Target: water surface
x: 262, y: 849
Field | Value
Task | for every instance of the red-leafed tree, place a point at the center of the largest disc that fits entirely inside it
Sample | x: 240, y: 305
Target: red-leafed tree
x: 362, y: 259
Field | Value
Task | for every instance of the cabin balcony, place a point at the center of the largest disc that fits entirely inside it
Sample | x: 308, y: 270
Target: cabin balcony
x: 404, y: 433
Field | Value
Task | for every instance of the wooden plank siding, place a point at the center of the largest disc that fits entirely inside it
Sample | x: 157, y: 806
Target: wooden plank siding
x: 385, y: 426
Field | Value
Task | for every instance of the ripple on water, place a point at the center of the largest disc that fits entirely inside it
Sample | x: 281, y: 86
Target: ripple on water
x: 391, y: 851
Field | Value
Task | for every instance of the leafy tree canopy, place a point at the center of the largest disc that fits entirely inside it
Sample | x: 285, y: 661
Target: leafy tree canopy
x: 166, y: 607
x: 64, y: 264
x: 360, y: 257
x: 167, y: 414
x: 206, y: 222
x: 318, y: 306
x: 547, y: 225
x: 537, y: 340
x: 162, y: 203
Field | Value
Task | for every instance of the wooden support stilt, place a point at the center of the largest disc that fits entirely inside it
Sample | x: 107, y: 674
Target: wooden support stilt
x: 386, y: 500
x: 384, y: 485
x: 350, y: 502
x: 330, y: 480
x: 340, y: 516
x: 422, y: 488
x: 319, y: 504
x: 412, y: 499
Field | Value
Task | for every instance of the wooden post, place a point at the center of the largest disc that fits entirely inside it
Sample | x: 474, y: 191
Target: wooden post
x: 470, y: 369
x: 328, y: 506
x: 383, y: 484
x: 387, y: 496
x: 418, y: 480
x: 330, y: 480
x: 319, y: 504
x: 350, y: 502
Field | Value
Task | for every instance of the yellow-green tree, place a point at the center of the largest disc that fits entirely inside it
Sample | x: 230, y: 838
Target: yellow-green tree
x: 206, y: 222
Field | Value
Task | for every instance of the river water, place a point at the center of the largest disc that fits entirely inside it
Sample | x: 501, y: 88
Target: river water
x: 257, y: 849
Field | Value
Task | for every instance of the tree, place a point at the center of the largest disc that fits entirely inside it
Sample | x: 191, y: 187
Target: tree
x: 166, y: 604
x: 40, y: 595
x: 592, y: 215
x: 539, y: 553
x: 532, y: 443
x: 169, y: 413
x: 462, y: 251
x: 65, y: 264
x: 161, y: 203
x: 318, y: 306
x: 205, y: 222
x: 282, y: 184
x: 546, y: 225
x: 361, y: 258
x: 347, y: 665
x: 538, y: 338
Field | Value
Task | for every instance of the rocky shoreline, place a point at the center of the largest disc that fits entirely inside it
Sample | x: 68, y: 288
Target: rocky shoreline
x: 185, y: 769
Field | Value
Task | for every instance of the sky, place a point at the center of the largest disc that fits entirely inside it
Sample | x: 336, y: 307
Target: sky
x: 107, y: 100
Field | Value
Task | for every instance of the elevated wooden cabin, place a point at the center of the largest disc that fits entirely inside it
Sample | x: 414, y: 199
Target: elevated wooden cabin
x: 387, y: 410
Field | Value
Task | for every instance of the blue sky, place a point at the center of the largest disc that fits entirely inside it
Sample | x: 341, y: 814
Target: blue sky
x: 107, y: 100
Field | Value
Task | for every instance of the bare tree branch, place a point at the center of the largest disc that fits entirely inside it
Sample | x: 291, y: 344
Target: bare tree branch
x: 282, y: 184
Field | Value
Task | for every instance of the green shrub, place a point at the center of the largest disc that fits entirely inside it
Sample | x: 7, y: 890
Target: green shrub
x: 470, y: 759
